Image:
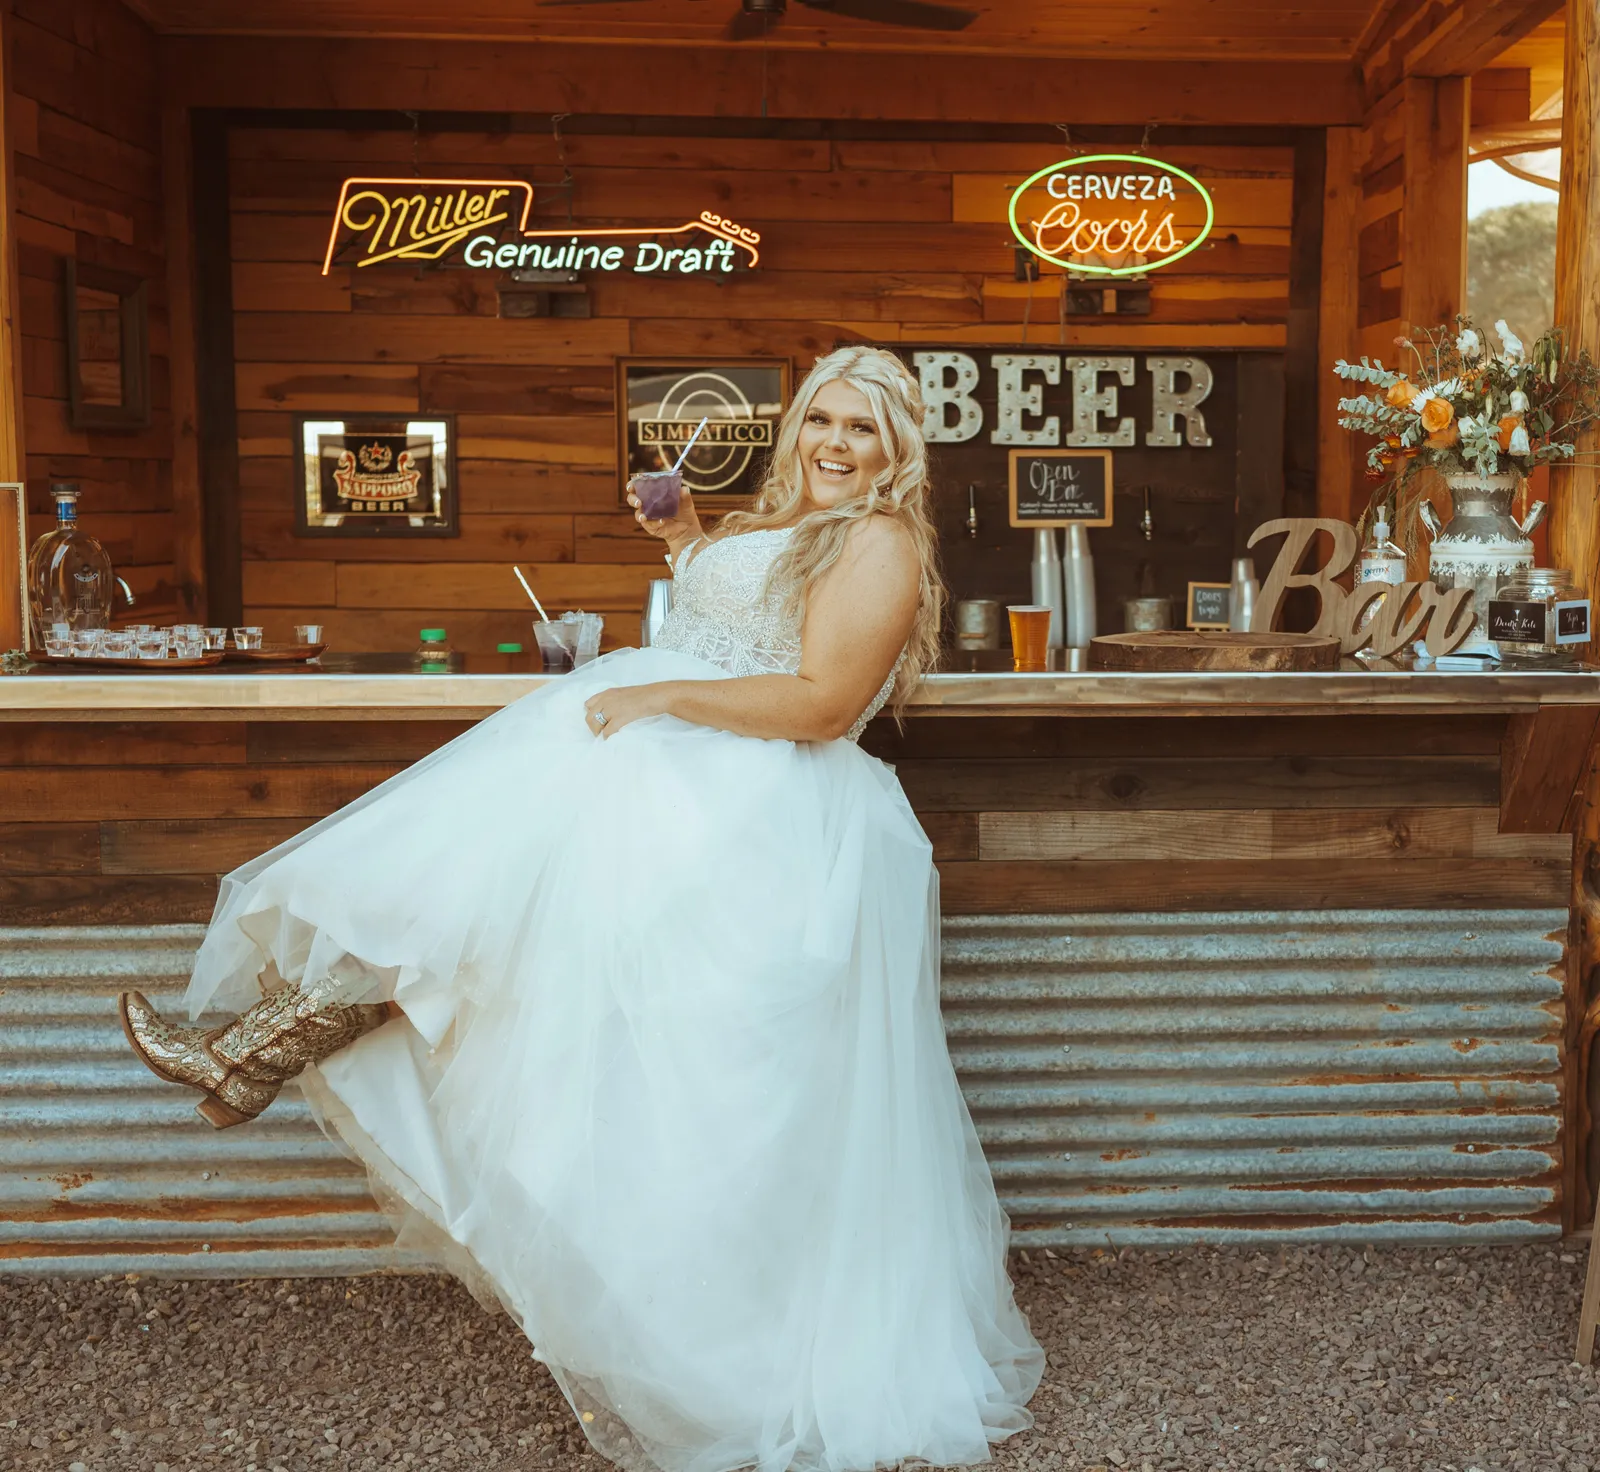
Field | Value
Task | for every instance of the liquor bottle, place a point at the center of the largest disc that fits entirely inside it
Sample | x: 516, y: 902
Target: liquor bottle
x: 69, y: 574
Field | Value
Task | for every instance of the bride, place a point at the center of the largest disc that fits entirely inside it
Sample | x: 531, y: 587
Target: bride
x: 666, y: 1077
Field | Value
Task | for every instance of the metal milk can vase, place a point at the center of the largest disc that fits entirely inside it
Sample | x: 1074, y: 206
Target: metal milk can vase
x: 1481, y: 546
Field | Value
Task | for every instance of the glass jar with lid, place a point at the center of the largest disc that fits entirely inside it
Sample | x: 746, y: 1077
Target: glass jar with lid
x: 434, y: 655
x: 1537, y: 615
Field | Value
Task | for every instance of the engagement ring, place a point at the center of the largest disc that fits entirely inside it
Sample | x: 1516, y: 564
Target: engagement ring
x: 599, y: 718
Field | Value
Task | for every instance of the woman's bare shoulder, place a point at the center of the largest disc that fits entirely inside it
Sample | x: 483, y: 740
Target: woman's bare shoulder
x: 881, y: 536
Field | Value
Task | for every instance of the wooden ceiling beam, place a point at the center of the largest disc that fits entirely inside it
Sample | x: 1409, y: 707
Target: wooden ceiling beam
x: 467, y: 76
x: 1442, y: 38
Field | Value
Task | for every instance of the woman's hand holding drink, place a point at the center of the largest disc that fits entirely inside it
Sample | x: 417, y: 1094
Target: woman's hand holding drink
x: 663, y: 506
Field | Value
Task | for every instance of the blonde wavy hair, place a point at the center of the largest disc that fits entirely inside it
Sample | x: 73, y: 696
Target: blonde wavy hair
x: 901, y: 491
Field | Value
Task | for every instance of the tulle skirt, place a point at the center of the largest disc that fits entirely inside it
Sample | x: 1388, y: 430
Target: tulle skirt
x: 671, y: 1086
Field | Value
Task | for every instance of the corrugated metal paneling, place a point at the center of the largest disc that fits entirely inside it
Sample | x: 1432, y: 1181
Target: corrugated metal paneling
x: 104, y: 1168
x: 1136, y: 1079
x: 1320, y: 1075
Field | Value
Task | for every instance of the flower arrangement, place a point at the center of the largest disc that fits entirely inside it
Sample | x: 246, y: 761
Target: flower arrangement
x: 1460, y: 408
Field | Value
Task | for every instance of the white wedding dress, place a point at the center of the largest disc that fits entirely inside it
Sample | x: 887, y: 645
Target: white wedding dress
x: 672, y: 1085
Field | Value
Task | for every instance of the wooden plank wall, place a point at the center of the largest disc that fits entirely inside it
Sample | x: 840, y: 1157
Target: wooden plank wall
x: 85, y: 123
x: 892, y: 240
x: 103, y: 824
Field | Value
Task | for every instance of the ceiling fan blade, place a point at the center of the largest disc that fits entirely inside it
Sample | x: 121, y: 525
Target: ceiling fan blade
x: 919, y: 15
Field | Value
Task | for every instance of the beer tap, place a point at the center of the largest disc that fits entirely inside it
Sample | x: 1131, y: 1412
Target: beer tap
x: 972, y: 510
x: 1147, y: 523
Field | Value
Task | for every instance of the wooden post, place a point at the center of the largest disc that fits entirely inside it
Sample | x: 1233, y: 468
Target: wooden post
x: 1338, y: 330
x: 1433, y: 225
x: 189, y: 547
x: 1574, y: 538
x: 13, y: 462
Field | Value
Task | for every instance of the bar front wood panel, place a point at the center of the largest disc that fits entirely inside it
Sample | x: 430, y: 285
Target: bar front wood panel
x: 85, y: 123
x: 898, y: 239
x: 135, y: 822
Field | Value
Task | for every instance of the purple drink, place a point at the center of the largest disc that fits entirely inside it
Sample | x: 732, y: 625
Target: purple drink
x: 658, y: 493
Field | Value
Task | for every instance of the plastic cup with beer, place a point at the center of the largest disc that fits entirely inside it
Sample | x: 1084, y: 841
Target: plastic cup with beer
x: 1030, y: 636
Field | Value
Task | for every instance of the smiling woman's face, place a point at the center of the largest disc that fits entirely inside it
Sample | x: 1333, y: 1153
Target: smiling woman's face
x: 840, y: 446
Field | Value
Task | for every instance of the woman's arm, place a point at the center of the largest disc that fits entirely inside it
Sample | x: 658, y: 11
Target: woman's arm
x: 858, y: 618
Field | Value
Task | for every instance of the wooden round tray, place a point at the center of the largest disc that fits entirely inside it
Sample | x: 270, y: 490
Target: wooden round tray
x: 273, y: 654
x: 132, y: 665
x: 1177, y: 650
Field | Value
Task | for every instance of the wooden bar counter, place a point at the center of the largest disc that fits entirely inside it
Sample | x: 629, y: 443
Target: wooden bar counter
x: 1226, y: 957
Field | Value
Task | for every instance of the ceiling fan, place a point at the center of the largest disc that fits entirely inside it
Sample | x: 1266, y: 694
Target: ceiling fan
x: 755, y: 17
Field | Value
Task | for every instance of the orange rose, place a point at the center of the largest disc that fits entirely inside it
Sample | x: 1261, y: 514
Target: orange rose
x: 1436, y: 413
x: 1508, y: 422
x: 1401, y: 394
x: 1443, y: 439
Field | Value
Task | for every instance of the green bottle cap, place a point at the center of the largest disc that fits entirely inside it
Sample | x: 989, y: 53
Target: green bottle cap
x: 508, y: 649
x: 433, y: 636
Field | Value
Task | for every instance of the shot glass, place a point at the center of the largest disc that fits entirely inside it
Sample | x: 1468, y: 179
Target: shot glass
x: 188, y: 645
x: 308, y: 633
x: 152, y: 645
x: 117, y: 644
x: 216, y: 639
x: 86, y: 642
x: 247, y: 637
x: 557, y: 645
x: 58, y: 646
x: 1030, y: 636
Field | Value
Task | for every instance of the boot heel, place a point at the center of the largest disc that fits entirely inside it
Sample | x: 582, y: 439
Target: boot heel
x: 219, y: 1115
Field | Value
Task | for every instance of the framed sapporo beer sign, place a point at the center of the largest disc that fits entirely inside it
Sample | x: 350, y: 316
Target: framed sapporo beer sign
x: 375, y: 475
x: 661, y: 401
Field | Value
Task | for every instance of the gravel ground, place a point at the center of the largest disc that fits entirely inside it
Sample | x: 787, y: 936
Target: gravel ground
x: 1308, y: 1359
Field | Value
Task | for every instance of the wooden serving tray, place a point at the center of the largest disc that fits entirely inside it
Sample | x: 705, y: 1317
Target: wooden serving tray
x: 131, y: 665
x: 1178, y: 650
x: 273, y: 654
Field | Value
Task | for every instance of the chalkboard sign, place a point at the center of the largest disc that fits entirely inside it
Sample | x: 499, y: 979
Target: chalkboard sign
x: 1061, y: 488
x: 1208, y: 606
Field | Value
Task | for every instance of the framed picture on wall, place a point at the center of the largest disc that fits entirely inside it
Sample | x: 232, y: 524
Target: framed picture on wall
x: 375, y: 475
x: 660, y: 401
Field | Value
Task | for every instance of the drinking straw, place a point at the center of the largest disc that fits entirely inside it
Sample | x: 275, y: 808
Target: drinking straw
x: 692, y: 438
x: 529, y: 591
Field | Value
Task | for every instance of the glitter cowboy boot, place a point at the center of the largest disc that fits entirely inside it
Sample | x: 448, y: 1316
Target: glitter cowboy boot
x: 241, y: 1065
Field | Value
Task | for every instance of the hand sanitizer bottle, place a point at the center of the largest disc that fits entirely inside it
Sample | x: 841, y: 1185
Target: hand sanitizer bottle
x: 1381, y: 562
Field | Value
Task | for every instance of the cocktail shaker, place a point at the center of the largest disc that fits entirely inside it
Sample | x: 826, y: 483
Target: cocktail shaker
x: 657, y: 605
x: 1077, y: 577
x: 1047, y: 582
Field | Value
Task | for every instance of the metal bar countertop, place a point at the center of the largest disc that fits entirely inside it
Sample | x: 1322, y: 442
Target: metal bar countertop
x: 386, y: 687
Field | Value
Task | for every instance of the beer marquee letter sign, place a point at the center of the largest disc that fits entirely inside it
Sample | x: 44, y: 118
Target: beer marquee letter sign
x: 483, y: 223
x: 1111, y: 214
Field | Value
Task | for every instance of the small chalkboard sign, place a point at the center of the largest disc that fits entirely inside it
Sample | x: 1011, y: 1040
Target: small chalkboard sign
x: 1061, y: 488
x: 1208, y: 606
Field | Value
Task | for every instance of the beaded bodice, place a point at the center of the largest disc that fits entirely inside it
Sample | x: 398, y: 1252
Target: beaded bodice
x: 719, y: 614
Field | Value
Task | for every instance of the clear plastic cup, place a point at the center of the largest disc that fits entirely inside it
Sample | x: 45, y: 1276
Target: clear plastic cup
x: 557, y: 645
x: 216, y: 639
x: 247, y: 637
x: 586, y: 640
x: 658, y: 492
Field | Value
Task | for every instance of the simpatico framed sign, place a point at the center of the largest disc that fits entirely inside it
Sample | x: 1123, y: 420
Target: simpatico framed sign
x: 375, y: 475
x: 660, y: 402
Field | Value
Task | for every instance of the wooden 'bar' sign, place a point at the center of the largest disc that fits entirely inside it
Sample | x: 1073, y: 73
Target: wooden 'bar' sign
x: 1401, y: 612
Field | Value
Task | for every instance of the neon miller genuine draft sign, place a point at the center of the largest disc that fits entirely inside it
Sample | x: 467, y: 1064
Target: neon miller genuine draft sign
x: 1111, y: 214
x: 484, y: 223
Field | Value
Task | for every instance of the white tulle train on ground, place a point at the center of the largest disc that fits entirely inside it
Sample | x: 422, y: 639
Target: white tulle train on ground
x: 671, y: 1085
